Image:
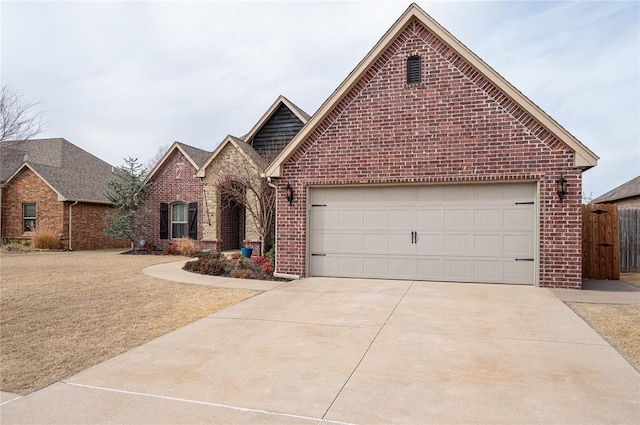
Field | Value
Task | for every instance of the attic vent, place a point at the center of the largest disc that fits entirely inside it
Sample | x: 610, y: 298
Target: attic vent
x: 413, y: 70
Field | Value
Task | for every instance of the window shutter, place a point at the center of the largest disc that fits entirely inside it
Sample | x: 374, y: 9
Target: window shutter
x: 414, y: 74
x: 193, y: 220
x: 164, y: 221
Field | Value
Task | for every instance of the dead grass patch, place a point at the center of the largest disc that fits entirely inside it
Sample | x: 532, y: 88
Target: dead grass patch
x: 62, y: 312
x: 631, y: 278
x: 617, y: 324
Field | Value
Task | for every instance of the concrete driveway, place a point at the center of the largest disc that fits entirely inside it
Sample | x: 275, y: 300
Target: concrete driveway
x: 359, y: 351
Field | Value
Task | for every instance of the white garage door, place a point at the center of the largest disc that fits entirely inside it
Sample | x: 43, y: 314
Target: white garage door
x: 458, y: 233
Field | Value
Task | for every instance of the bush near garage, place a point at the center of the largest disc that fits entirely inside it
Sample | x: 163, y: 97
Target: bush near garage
x: 236, y: 267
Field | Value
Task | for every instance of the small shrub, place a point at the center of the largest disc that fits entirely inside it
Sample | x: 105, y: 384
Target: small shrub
x: 267, y: 269
x: 186, y: 247
x: 239, y: 273
x: 259, y: 261
x: 212, y: 266
x: 45, y: 239
x: 236, y: 256
x: 271, y: 255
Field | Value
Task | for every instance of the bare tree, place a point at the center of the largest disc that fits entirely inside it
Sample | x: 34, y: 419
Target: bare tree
x: 245, y: 187
x: 18, y: 120
x: 157, y: 156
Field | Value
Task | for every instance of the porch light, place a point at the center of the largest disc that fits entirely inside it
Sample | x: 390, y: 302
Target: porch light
x: 561, y: 187
x: 289, y: 193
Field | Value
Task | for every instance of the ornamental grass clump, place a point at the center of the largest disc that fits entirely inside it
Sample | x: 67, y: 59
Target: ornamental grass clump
x: 45, y: 239
x: 186, y: 247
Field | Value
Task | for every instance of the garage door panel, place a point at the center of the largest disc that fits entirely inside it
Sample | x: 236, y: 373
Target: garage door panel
x: 375, y: 242
x: 376, y: 218
x: 518, y: 272
x: 487, y: 244
x: 487, y: 271
x: 349, y: 242
x: 458, y: 244
x: 430, y: 243
x: 350, y: 265
x: 400, y: 242
x: 518, y: 245
x: 402, y: 267
x: 488, y: 218
x: 458, y: 218
x: 402, y: 218
x: 430, y: 268
x: 324, y: 242
x: 518, y: 219
x: 349, y: 219
x: 323, y: 218
x: 428, y: 219
x: 458, y: 269
x: 466, y: 233
x: 376, y: 266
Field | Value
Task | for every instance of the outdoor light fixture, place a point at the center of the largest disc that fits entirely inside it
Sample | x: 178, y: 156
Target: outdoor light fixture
x: 561, y: 187
x: 289, y: 190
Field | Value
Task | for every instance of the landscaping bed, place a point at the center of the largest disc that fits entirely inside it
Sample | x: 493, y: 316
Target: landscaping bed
x: 235, y: 266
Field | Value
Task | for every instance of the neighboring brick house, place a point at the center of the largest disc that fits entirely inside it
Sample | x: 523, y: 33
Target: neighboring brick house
x: 426, y: 164
x: 52, y: 184
x: 175, y: 197
x: 625, y: 196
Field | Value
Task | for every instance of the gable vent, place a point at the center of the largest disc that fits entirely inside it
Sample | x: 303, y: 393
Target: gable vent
x: 414, y: 74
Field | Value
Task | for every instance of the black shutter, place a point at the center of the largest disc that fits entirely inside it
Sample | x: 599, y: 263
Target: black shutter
x: 193, y: 220
x: 413, y: 70
x: 164, y: 220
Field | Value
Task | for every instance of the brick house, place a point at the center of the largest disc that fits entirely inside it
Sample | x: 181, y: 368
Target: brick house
x: 426, y: 164
x: 52, y: 184
x: 625, y: 196
x: 184, y: 184
x: 175, y: 196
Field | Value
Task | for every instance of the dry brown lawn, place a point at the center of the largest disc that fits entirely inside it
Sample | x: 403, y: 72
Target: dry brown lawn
x: 618, y: 324
x: 61, y: 312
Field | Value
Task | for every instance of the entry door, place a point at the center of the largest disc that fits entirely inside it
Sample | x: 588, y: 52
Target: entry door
x: 463, y: 233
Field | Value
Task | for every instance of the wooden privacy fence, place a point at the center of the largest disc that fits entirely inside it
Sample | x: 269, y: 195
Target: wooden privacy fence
x: 600, y: 246
x: 629, y: 230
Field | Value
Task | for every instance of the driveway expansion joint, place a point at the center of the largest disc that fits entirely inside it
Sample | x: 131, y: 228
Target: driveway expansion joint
x: 205, y: 403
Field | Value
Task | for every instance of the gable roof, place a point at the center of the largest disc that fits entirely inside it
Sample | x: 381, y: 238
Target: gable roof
x: 583, y: 157
x: 281, y: 100
x: 195, y: 156
x: 73, y: 173
x: 625, y: 190
x: 244, y: 149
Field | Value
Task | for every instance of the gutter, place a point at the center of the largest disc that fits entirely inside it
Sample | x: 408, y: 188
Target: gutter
x: 70, y: 206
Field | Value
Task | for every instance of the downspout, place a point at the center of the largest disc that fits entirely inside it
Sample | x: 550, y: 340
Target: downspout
x: 75, y: 203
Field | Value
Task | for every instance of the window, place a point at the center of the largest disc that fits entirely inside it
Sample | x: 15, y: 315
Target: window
x: 178, y: 220
x: 29, y: 217
x: 414, y: 74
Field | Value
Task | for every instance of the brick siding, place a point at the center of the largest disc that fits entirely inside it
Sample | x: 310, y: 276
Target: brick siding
x: 174, y: 182
x: 453, y: 127
x: 88, y: 220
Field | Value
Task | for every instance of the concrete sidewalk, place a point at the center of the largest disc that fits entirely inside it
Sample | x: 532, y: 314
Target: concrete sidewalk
x: 321, y: 351
x: 601, y: 292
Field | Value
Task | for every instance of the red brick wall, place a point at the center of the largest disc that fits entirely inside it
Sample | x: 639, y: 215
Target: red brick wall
x: 27, y: 187
x: 88, y: 220
x: 87, y: 227
x: 452, y: 127
x: 174, y: 182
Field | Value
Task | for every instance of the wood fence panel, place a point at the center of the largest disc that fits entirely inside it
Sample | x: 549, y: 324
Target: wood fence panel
x: 629, y: 227
x: 600, y: 246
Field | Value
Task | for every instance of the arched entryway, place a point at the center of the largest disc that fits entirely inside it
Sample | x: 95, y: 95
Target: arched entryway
x: 232, y: 217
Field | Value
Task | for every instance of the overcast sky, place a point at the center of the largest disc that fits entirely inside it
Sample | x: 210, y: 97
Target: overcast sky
x: 124, y: 78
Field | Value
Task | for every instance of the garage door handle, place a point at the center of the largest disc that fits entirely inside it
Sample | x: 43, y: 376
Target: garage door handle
x: 414, y: 237
x: 524, y: 259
